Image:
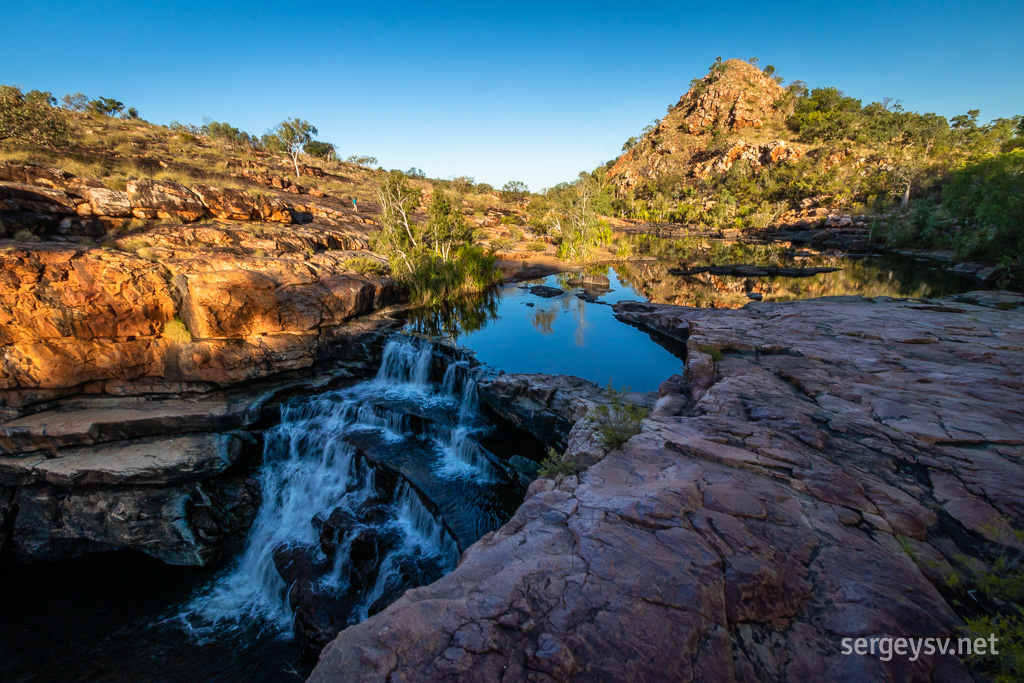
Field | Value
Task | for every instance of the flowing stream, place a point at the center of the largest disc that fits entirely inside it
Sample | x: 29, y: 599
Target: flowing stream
x: 361, y: 499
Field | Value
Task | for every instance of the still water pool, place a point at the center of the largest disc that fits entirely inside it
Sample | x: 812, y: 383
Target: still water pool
x: 564, y: 334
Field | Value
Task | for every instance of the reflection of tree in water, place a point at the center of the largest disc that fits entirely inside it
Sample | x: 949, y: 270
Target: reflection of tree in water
x: 455, y: 317
x: 581, y: 322
x: 543, y: 318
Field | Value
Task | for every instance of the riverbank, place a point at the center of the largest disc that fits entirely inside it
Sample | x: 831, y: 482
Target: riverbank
x: 819, y: 472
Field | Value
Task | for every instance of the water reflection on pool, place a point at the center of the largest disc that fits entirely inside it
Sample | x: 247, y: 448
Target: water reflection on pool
x: 516, y: 330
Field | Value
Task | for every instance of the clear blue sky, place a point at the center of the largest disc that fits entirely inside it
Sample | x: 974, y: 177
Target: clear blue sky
x: 498, y: 91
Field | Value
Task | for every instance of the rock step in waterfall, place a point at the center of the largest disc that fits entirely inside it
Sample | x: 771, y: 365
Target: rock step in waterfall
x: 367, y: 492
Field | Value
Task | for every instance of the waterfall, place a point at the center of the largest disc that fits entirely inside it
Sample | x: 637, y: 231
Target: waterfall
x: 313, y: 473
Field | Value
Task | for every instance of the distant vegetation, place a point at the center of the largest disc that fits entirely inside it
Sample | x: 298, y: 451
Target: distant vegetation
x: 935, y: 182
x: 31, y: 117
x: 945, y: 183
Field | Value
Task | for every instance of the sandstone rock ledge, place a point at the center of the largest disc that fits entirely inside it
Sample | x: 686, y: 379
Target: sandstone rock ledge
x: 758, y: 519
x: 77, y: 320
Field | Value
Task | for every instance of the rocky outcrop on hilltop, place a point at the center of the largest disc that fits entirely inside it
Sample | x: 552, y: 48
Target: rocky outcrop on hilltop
x: 733, y: 96
x: 734, y: 99
x: 819, y: 471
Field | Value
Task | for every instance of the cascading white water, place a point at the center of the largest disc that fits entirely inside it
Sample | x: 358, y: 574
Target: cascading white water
x: 310, y: 469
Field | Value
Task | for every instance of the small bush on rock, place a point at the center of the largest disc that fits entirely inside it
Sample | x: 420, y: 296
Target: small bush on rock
x: 177, y: 332
x: 367, y: 266
x: 554, y: 465
x: 24, y: 235
x: 619, y: 420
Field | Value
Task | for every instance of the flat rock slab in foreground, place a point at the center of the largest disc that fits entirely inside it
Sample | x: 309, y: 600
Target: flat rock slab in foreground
x: 830, y: 458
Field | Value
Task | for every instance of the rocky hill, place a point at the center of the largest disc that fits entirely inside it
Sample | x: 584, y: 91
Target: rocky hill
x: 734, y: 112
x: 736, y: 101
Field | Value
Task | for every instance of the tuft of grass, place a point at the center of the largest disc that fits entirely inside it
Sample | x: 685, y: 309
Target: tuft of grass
x: 147, y: 253
x: 135, y: 245
x: 713, y: 351
x: 365, y: 265
x: 619, y: 421
x: 536, y: 246
x: 555, y: 465
x: 177, y: 331
x: 905, y: 545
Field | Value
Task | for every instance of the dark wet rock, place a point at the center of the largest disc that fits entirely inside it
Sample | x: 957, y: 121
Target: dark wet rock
x: 528, y: 469
x: 756, y: 296
x: 368, y: 548
x: 588, y: 297
x: 546, y: 406
x: 320, y: 611
x: 190, y: 524
x: 553, y: 408
x: 298, y: 563
x: 546, y: 292
x: 743, y: 535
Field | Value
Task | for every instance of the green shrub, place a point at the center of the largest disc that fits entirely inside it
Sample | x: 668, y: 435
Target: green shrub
x: 554, y: 465
x: 367, y: 266
x: 619, y: 420
x: 24, y: 235
x: 713, y: 351
x: 536, y: 246
x: 503, y: 244
x: 177, y: 332
x: 992, y: 594
x: 31, y: 117
x: 516, y: 235
x: 514, y: 190
x: 433, y: 280
x: 1008, y: 628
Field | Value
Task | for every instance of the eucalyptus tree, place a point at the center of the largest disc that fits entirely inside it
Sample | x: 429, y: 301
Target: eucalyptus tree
x: 294, y: 135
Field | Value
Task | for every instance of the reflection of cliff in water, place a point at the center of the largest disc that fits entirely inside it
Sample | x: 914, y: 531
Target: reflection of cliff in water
x: 870, y: 277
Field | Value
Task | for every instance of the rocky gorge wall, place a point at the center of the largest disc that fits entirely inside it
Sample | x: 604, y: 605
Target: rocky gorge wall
x: 817, y: 474
x: 86, y: 320
x: 135, y: 377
